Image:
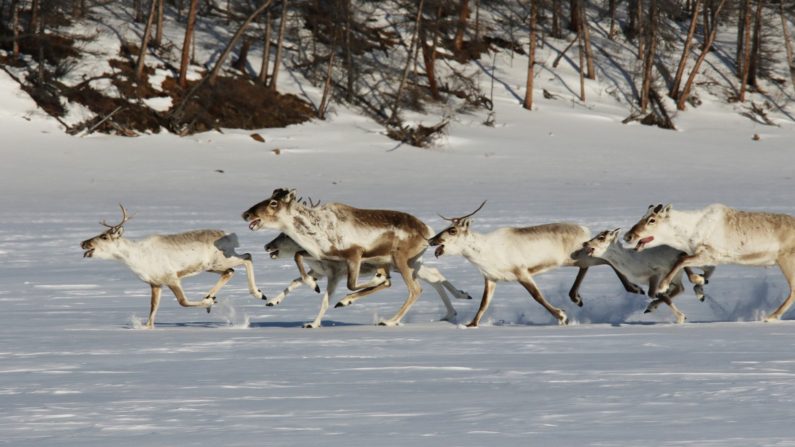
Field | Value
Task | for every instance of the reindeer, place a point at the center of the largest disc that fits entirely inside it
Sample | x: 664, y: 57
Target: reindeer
x: 282, y: 246
x: 339, y: 232
x: 165, y: 259
x: 646, y: 267
x: 516, y: 254
x: 718, y: 234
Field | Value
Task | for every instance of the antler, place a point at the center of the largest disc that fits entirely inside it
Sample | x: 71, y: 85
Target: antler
x: 313, y: 204
x: 457, y: 219
x: 124, y: 218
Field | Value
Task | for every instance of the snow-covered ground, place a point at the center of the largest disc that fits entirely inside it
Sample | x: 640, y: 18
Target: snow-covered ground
x: 76, y: 370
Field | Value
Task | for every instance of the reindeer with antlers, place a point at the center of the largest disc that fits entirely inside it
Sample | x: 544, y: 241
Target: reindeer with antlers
x: 516, y: 254
x: 160, y: 260
x: 339, y: 232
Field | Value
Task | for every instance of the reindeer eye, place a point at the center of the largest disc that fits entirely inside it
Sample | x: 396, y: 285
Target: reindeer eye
x: 453, y: 231
x: 273, y: 204
x: 601, y: 237
x: 104, y: 236
x: 652, y: 220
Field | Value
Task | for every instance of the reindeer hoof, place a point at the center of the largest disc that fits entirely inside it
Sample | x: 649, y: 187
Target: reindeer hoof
x: 647, y: 311
x: 340, y: 304
x: 317, y: 288
x: 472, y: 324
x: 311, y: 326
x: 261, y: 295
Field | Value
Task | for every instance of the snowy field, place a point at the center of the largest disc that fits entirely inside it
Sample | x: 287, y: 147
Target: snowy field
x: 77, y: 370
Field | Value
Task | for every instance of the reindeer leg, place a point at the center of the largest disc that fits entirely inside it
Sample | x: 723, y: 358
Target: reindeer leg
x: 176, y: 289
x: 574, y: 293
x: 333, y: 280
x: 150, y: 323
x: 308, y: 280
x: 354, y: 263
x: 787, y: 266
x: 361, y: 293
x: 488, y: 292
x: 294, y: 284
x: 531, y: 287
x: 252, y: 284
x: 700, y: 257
x: 408, y: 270
x: 226, y: 275
x: 434, y: 277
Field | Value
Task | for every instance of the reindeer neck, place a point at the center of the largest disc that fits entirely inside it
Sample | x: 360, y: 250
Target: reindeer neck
x: 476, y: 246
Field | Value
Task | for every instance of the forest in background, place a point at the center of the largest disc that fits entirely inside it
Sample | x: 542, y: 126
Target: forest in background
x: 388, y: 59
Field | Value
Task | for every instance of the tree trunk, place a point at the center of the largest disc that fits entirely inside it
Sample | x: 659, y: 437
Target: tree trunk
x: 639, y: 21
x: 15, y: 45
x: 756, y: 48
x: 429, y: 57
x: 138, y: 5
x: 463, y: 15
x: 351, y: 79
x: 33, y: 24
x: 417, y: 25
x: 787, y: 43
x: 556, y: 31
x: 242, y: 56
x: 742, y: 13
x: 531, y: 59
x: 648, y: 59
x: 746, y: 55
x: 238, y: 34
x: 612, y: 7
x: 586, y: 34
x: 186, y: 44
x: 575, y: 15
x: 680, y: 70
x: 477, y: 20
x: 321, y: 110
x: 680, y: 104
x: 279, y: 44
x: 266, y: 51
x: 158, y: 40
x: 581, y: 49
x: 139, y: 68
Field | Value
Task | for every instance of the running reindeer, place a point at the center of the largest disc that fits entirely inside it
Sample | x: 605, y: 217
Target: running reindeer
x: 339, y: 232
x: 516, y: 254
x: 282, y: 246
x: 718, y: 234
x: 160, y: 260
x: 648, y: 266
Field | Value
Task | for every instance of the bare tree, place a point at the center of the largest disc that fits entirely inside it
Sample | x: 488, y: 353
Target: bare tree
x: 186, y: 44
x: 410, y: 55
x: 279, y: 45
x: 755, y: 61
x: 266, y: 50
x: 648, y: 58
x: 586, y: 34
x: 680, y: 70
x: 158, y: 40
x: 463, y: 15
x: 528, y: 96
x: 233, y: 41
x: 139, y: 68
x: 708, y: 41
x: 746, y: 53
x: 324, y: 101
x: 612, y: 11
x: 787, y: 43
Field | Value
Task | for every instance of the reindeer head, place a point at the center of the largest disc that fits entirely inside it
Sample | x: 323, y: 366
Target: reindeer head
x: 266, y: 214
x: 653, y: 226
x: 601, y: 242
x: 99, y: 245
x: 282, y: 246
x: 452, y: 239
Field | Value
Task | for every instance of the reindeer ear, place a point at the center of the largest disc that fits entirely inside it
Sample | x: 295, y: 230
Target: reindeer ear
x: 651, y: 206
x: 290, y: 196
x: 465, y: 224
x: 615, y: 232
x: 667, y: 209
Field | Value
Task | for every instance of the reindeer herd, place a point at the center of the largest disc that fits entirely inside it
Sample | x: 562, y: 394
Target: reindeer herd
x: 338, y: 241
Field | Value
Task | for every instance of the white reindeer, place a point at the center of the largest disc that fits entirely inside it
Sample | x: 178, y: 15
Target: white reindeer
x: 718, y: 234
x: 160, y: 260
x: 282, y: 246
x: 516, y: 254
x: 339, y: 232
x: 646, y: 267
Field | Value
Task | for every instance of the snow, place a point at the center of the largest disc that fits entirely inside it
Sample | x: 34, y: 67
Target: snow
x: 78, y: 369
